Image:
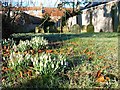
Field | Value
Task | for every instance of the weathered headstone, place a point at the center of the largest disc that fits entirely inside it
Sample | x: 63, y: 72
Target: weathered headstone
x: 75, y: 29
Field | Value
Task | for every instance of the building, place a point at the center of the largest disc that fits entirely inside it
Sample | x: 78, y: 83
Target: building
x: 105, y: 16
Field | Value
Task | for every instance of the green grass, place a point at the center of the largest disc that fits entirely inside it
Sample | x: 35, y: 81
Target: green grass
x: 87, y: 54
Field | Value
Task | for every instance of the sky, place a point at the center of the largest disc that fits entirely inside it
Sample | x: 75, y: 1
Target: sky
x: 46, y: 3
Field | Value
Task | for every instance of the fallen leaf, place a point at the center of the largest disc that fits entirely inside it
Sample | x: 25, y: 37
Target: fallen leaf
x: 55, y: 52
x: 49, y: 51
x: 21, y: 74
x: 100, y: 79
x: 103, y: 68
x: 100, y: 71
x: 4, y: 47
x: 40, y: 51
x: 25, y: 52
x: 29, y: 73
x: 90, y: 58
x: 74, y: 43
x: 4, y: 69
x: 32, y: 51
x: 86, y: 50
x: 107, y: 78
x: 101, y: 57
x: 98, y: 74
x: 90, y: 53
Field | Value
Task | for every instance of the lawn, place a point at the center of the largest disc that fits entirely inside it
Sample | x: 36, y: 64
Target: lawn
x: 87, y: 60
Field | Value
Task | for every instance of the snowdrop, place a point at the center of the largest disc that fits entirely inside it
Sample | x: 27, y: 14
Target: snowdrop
x: 52, y: 65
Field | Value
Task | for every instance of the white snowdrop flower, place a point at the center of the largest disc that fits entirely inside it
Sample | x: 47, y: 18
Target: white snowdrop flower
x: 41, y: 58
x: 46, y: 61
x: 11, y: 56
x: 41, y: 63
x: 37, y: 72
x: 52, y: 65
x: 66, y: 63
x: 34, y: 63
x: 31, y: 59
x: 14, y: 47
x: 57, y: 65
x: 12, y: 62
x: 50, y: 59
x: 3, y: 58
x: 27, y: 42
x: 27, y: 56
x: 44, y: 56
x: 62, y: 62
x: 45, y: 65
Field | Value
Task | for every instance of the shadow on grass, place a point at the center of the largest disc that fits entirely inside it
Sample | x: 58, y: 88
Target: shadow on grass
x: 62, y: 37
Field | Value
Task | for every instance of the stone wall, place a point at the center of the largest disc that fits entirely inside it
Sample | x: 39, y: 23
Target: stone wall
x: 105, y: 17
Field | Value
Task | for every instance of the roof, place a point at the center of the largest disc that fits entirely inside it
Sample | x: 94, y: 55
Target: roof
x: 53, y: 12
x: 48, y: 10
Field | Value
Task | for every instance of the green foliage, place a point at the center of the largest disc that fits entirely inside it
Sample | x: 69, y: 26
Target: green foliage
x: 35, y: 43
x: 23, y: 45
x: 73, y: 65
x: 43, y: 64
x: 38, y: 43
x: 6, y: 42
x: 48, y: 64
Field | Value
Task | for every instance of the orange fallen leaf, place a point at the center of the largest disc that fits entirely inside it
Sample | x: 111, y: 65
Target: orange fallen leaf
x: 29, y: 73
x: 21, y: 74
x: 73, y: 43
x: 98, y: 74
x: 107, y: 78
x: 4, y: 69
x: 49, y: 51
x: 101, y: 57
x: 7, y: 50
x: 25, y: 52
x: 4, y: 47
x: 90, y: 53
x: 103, y: 68
x: 100, y: 79
x: 90, y: 58
x: 32, y: 51
x: 86, y: 50
x: 40, y: 51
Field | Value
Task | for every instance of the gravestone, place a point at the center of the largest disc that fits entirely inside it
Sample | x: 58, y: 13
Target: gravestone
x: 75, y: 29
